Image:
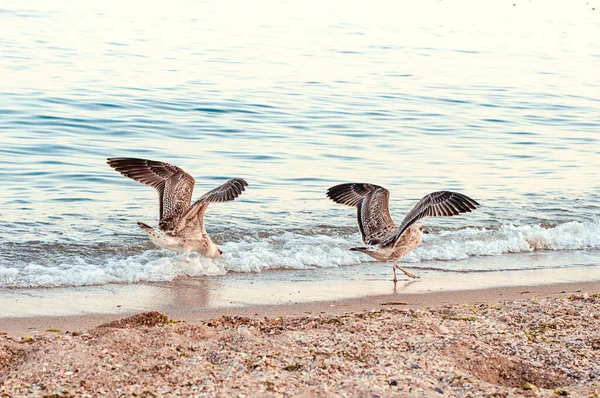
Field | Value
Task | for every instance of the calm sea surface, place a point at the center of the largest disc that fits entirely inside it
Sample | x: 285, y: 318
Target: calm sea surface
x: 495, y: 100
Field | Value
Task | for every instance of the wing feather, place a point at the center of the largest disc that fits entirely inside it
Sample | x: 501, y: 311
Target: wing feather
x: 435, y: 204
x: 372, y: 209
x: 224, y: 193
x: 173, y: 184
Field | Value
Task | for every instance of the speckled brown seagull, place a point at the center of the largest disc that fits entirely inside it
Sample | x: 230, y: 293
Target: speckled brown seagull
x: 181, y: 224
x: 387, y: 241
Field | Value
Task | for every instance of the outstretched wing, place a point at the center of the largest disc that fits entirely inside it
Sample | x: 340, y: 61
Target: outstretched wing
x: 436, y: 204
x: 174, y: 185
x: 372, y: 209
x: 225, y: 193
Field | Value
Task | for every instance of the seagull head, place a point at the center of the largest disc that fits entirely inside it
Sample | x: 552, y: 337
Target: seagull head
x: 418, y: 230
x: 214, y: 251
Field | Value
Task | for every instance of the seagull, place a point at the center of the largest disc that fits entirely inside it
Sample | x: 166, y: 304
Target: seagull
x: 384, y: 239
x: 181, y: 224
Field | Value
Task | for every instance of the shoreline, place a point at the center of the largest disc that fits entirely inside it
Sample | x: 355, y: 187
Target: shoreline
x: 267, y: 288
x: 34, y: 325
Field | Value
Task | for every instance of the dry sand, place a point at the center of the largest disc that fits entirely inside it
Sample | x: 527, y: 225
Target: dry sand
x: 538, y: 341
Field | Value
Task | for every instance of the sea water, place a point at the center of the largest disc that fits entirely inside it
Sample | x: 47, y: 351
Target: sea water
x: 499, y: 100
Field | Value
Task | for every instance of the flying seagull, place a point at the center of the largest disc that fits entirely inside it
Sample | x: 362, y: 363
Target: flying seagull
x: 181, y: 224
x: 384, y: 239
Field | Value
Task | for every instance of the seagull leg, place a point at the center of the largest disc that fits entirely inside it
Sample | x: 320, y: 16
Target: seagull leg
x: 405, y: 271
x: 395, y: 279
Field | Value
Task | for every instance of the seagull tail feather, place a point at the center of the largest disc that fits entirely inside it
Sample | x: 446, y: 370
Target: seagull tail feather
x: 145, y: 226
x: 371, y: 251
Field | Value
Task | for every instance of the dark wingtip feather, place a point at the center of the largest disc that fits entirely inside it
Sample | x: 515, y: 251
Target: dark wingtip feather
x: 472, y: 203
x: 230, y: 190
x: 334, y: 191
x: 346, y: 194
x: 129, y: 163
x: 112, y: 161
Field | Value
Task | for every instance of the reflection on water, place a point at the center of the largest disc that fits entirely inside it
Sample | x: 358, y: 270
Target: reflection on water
x: 494, y: 100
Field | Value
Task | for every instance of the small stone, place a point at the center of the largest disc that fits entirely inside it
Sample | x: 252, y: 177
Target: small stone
x: 529, y: 387
x: 443, y: 329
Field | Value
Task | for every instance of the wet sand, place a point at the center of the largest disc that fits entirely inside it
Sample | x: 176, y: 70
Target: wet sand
x: 27, y: 326
x: 236, y: 290
x: 524, y: 341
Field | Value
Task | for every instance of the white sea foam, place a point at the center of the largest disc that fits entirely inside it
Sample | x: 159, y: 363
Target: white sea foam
x: 290, y: 251
x: 469, y: 242
x: 297, y: 251
x: 152, y: 265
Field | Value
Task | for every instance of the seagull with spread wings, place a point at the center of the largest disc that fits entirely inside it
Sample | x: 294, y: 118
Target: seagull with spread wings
x: 387, y: 241
x: 181, y: 224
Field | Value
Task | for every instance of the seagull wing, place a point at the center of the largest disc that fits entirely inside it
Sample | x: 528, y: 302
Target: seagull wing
x: 372, y: 209
x: 224, y: 193
x: 174, y: 185
x: 435, y: 204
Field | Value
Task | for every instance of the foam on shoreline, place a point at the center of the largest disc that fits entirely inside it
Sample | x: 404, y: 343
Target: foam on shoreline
x: 52, y: 265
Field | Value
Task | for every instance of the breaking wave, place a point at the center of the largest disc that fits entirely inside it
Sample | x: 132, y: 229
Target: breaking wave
x: 47, y: 265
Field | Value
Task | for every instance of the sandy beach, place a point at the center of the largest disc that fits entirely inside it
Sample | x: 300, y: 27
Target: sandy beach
x: 513, y: 341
